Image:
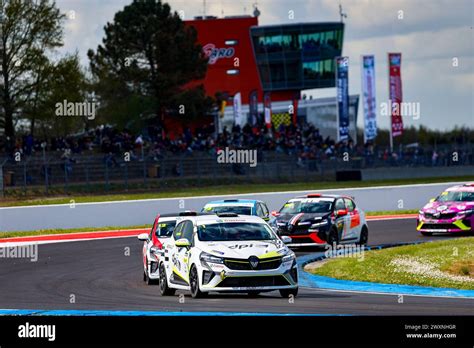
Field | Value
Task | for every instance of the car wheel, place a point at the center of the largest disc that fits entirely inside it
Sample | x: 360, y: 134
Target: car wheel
x: 289, y: 292
x: 194, y: 284
x: 165, y: 290
x: 364, y: 236
x: 144, y: 276
x: 427, y: 234
x: 333, y: 237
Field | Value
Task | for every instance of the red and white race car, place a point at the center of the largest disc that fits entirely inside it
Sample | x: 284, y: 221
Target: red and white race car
x: 154, y: 242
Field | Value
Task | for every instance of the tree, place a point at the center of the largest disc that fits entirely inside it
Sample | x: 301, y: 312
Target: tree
x: 146, y: 60
x: 61, y: 81
x: 28, y: 29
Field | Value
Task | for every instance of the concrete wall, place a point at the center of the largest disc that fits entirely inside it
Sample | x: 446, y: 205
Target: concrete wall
x: 415, y: 172
x: 127, y: 213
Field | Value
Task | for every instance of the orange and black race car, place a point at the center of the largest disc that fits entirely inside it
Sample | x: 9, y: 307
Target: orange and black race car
x: 320, y: 219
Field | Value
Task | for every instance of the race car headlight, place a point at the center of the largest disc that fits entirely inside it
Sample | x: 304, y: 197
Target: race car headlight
x: 289, y: 257
x: 208, y: 258
x: 319, y: 224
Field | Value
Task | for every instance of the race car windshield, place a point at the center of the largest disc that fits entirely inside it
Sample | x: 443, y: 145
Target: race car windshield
x: 456, y: 196
x: 165, y: 229
x: 240, y: 210
x: 234, y: 231
x: 314, y: 206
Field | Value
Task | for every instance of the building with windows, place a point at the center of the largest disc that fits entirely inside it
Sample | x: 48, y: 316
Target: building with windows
x: 276, y: 60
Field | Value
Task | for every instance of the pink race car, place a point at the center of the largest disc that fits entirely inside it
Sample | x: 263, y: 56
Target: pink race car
x: 451, y: 211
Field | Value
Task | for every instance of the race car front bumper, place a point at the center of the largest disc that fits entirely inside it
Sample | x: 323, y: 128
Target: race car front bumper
x: 221, y: 278
x: 444, y: 225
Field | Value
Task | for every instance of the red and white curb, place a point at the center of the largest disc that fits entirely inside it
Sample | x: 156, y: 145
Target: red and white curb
x: 84, y: 236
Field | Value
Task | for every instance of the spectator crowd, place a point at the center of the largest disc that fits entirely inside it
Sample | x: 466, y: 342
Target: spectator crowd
x: 303, y: 142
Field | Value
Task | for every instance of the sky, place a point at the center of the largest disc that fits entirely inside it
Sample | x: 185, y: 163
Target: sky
x: 435, y: 37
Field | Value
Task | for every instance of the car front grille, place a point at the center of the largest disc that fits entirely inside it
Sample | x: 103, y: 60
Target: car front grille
x: 244, y: 265
x: 445, y: 216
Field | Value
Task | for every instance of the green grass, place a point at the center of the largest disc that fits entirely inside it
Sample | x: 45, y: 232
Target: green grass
x: 403, y: 265
x: 69, y: 230
x: 392, y: 212
x: 217, y: 190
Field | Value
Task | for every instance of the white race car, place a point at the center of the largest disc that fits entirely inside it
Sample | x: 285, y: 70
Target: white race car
x: 227, y: 253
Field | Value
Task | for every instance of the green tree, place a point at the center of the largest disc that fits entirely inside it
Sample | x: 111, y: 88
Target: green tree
x: 28, y: 29
x: 147, y: 58
x: 57, y: 82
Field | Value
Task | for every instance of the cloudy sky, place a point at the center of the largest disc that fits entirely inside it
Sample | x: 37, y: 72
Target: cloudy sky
x: 430, y: 34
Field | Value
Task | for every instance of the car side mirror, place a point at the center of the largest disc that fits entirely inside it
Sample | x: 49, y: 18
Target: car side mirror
x: 432, y: 200
x: 286, y: 239
x: 183, y: 243
x: 143, y: 237
x: 341, y: 212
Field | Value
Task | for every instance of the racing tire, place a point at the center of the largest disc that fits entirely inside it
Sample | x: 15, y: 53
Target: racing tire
x: 333, y: 237
x: 165, y: 290
x: 426, y: 234
x: 144, y: 276
x: 285, y: 293
x: 194, y: 284
x: 364, y: 236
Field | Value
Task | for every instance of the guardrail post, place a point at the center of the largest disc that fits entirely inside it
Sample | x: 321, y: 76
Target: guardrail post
x: 2, y: 193
x: 45, y: 169
x: 24, y: 177
x: 107, y: 175
x: 126, y: 175
x: 87, y: 176
x: 65, y: 176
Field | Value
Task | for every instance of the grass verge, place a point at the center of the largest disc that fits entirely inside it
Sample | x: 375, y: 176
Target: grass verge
x: 218, y: 190
x: 447, y: 264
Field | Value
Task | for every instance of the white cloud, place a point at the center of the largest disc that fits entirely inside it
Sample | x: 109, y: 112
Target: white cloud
x: 430, y: 34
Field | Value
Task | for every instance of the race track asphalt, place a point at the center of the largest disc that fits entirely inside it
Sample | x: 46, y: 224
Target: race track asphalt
x: 103, y: 275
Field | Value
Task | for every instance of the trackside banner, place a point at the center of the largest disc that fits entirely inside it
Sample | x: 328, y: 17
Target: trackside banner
x: 395, y: 92
x: 253, y: 107
x: 342, y: 85
x: 368, y: 92
x: 239, y: 119
x: 267, y: 104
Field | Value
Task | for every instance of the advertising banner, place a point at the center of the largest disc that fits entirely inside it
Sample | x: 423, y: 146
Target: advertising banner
x: 368, y: 93
x: 342, y: 86
x: 253, y: 107
x: 239, y: 119
x: 267, y: 104
x: 395, y: 92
